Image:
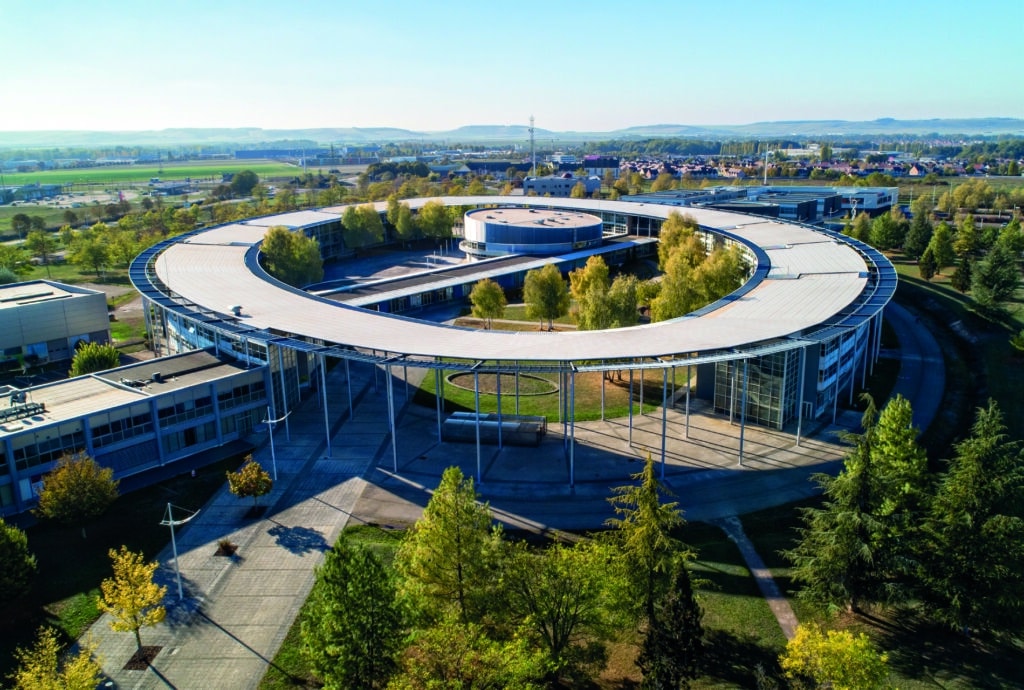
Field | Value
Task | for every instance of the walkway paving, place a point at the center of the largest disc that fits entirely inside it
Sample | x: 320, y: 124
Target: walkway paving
x: 236, y: 611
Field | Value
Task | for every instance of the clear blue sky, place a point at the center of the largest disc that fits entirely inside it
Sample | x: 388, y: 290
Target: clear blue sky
x: 440, y: 64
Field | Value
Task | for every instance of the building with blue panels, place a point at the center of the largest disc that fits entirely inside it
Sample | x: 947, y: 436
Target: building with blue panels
x: 491, y: 232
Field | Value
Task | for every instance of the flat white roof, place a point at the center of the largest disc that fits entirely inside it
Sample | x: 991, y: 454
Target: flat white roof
x: 818, y: 277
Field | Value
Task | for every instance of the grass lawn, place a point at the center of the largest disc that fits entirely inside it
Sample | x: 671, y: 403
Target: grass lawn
x: 980, y: 363
x: 120, y: 176
x: 539, y: 393
x: 71, y: 567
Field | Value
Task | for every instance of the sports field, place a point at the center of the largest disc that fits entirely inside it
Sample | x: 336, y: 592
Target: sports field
x: 130, y: 175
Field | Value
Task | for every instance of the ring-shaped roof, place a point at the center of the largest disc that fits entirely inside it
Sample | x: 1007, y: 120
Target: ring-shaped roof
x: 812, y: 277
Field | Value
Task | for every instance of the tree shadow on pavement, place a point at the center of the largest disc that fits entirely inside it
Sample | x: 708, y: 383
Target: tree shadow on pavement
x: 298, y: 540
x: 733, y: 658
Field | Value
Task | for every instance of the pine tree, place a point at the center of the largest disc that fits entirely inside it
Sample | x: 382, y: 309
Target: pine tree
x: 352, y: 626
x: 645, y: 535
x: 927, y: 265
x: 961, y: 278
x: 447, y: 559
x: 673, y: 644
x: 973, y: 553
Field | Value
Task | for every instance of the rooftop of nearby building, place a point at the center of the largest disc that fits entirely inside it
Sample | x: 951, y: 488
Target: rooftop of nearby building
x: 69, y: 399
x: 534, y: 216
x: 35, y: 291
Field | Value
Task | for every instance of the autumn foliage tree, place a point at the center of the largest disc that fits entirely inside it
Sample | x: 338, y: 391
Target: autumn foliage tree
x: 250, y: 480
x: 41, y: 666
x: 131, y: 597
x: 77, y: 489
x: 835, y: 659
x: 291, y: 257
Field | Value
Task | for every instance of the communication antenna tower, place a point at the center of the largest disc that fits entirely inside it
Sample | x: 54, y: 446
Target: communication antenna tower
x: 533, y: 153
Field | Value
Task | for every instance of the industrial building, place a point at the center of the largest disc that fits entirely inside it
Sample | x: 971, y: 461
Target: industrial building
x: 42, y: 321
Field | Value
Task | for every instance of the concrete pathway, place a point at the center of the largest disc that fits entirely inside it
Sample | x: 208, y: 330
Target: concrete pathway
x: 779, y: 604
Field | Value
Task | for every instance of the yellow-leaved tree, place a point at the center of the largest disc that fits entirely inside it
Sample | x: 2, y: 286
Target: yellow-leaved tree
x: 40, y: 667
x: 131, y: 597
x: 835, y: 659
x: 250, y: 480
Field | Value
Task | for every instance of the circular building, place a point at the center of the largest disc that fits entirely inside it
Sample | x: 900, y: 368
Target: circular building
x: 491, y: 232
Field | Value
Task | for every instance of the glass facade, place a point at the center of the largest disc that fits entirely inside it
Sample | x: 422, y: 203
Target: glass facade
x: 771, y: 388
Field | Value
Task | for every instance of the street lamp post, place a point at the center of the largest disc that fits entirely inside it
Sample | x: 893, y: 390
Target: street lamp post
x: 270, y: 430
x: 171, y: 522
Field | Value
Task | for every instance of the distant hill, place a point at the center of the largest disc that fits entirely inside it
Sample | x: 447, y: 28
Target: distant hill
x: 242, y: 136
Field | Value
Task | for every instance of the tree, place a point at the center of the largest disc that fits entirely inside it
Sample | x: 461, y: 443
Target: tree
x: 996, y: 278
x: 76, y: 490
x: 884, y: 232
x: 243, y: 183
x: 92, y: 357
x: 835, y: 659
x: 488, y: 300
x: 291, y: 257
x: 454, y: 655
x: 644, y: 533
x: 961, y: 278
x: 860, y: 229
x: 558, y: 594
x: 250, y: 480
x: 21, y: 224
x: 623, y: 300
x: 589, y: 289
x: 673, y: 644
x: 834, y: 556
x: 17, y: 564
x: 927, y: 265
x: 663, y: 182
x: 545, y: 294
x: 966, y: 242
x: 405, y: 224
x: 448, y: 558
x: 680, y: 289
x: 361, y: 226
x: 40, y: 667
x: 14, y: 259
x: 7, y: 276
x: 41, y: 244
x: 973, y: 552
x: 679, y: 232
x: 91, y: 252
x: 941, y: 245
x: 434, y: 220
x: 918, y: 237
x: 131, y: 597
x: 352, y: 625
x: 579, y: 191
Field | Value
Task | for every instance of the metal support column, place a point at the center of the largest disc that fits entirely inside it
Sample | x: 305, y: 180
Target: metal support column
x: 284, y: 390
x: 732, y: 396
x: 686, y: 433
x: 603, y: 373
x: 323, y: 387
x: 517, y: 386
x: 476, y: 399
x: 631, y: 407
x: 800, y: 399
x: 664, y: 417
x: 391, y: 419
x: 439, y: 395
x: 348, y: 383
x: 743, y: 409
x: 572, y: 427
x: 497, y: 376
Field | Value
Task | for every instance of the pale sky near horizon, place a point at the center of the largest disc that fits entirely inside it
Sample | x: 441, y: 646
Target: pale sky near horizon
x: 430, y: 66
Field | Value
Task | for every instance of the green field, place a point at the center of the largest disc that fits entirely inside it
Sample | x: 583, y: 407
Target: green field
x: 127, y: 175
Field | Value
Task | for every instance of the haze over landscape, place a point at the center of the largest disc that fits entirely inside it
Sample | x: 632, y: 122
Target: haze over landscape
x: 424, y: 67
